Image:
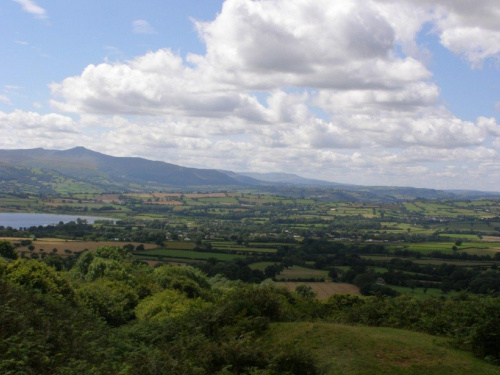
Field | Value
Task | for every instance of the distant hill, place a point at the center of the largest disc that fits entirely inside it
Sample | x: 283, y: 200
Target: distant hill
x: 113, y: 173
x: 292, y: 185
x: 80, y: 170
x: 287, y: 179
x: 245, y: 179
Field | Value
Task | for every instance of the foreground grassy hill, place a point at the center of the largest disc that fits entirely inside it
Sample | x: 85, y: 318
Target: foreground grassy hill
x: 349, y: 350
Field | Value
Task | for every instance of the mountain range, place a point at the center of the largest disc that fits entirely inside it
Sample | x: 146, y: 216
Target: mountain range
x: 82, y: 170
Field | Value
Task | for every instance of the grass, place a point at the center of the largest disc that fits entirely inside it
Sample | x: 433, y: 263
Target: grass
x: 297, y: 272
x: 472, y: 237
x: 261, y: 265
x: 417, y: 292
x: 352, y: 350
x: 180, y: 245
x: 471, y: 248
x: 187, y: 254
x: 231, y: 246
x: 432, y: 261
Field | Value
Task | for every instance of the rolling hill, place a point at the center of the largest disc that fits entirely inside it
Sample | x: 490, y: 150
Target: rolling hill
x: 108, y: 172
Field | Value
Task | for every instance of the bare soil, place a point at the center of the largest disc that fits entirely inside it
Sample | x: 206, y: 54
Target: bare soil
x: 324, y: 289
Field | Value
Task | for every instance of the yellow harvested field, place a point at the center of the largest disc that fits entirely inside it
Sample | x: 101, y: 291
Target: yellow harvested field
x: 206, y: 195
x: 169, y: 203
x: 48, y: 244
x: 139, y: 195
x: 491, y: 238
x: 325, y: 289
x: 108, y: 198
x: 165, y: 195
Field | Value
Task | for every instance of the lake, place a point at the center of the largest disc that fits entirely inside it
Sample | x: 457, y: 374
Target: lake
x: 26, y: 220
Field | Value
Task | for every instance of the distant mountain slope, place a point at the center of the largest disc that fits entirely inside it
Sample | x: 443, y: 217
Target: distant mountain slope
x: 104, y: 170
x: 296, y: 186
x: 25, y: 180
x: 287, y: 178
x: 244, y: 179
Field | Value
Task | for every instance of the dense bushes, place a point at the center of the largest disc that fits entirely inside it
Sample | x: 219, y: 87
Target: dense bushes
x: 39, y: 276
x: 112, y: 300
x: 41, y: 334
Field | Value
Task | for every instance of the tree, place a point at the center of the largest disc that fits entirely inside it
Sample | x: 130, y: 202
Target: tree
x: 7, y: 250
x: 305, y: 291
x: 333, y: 274
x: 167, y: 304
x: 187, y: 280
x: 272, y: 270
x: 110, y: 299
x: 109, y: 268
x: 111, y: 252
x: 37, y: 275
x: 54, y: 261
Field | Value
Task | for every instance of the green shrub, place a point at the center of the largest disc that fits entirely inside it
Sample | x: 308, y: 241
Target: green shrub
x: 40, y: 334
x: 112, y: 300
x: 187, y: 280
x: 7, y: 250
x: 290, y: 359
x: 109, y: 268
x: 167, y: 304
x: 38, y: 275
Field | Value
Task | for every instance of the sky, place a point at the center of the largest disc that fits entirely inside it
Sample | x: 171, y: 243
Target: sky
x: 368, y: 92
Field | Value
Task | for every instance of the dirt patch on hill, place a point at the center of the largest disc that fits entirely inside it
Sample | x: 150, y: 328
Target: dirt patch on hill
x: 326, y: 289
x: 48, y: 245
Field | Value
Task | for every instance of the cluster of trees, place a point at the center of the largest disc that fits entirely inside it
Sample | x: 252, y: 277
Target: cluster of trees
x: 109, y: 314
x: 409, y: 274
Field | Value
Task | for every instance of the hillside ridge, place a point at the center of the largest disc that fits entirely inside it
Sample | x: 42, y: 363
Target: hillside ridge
x: 38, y: 169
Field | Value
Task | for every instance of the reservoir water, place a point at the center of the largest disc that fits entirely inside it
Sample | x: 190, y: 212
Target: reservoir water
x: 26, y: 220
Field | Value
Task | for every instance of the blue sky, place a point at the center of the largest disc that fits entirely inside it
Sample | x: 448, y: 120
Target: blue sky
x: 376, y: 92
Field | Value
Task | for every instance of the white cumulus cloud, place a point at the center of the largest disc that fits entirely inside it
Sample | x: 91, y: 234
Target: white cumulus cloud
x: 142, y: 27
x: 32, y: 8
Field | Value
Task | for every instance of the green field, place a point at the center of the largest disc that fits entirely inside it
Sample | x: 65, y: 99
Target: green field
x: 431, y: 261
x: 418, y: 292
x: 472, y: 248
x: 187, y: 254
x: 231, y: 246
x: 470, y: 237
x: 297, y: 272
x: 261, y: 265
x: 179, y: 245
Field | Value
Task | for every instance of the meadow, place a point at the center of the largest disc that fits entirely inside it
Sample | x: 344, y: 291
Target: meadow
x: 353, y: 350
x: 188, y: 254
